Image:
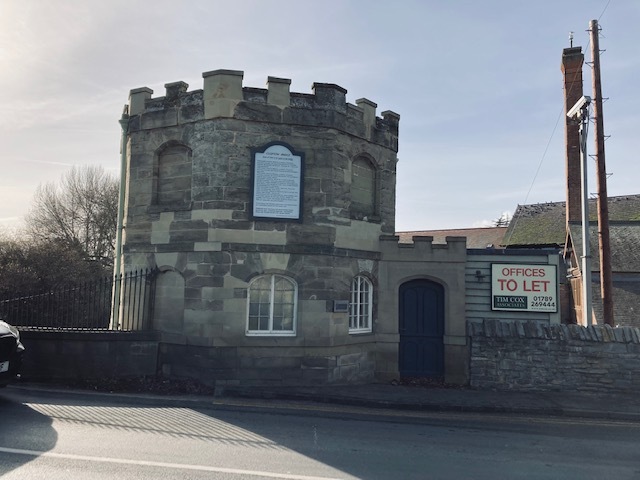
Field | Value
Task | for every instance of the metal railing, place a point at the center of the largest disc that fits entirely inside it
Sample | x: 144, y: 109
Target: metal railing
x: 124, y: 302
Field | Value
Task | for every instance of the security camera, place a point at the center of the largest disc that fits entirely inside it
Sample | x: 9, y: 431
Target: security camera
x: 577, y: 108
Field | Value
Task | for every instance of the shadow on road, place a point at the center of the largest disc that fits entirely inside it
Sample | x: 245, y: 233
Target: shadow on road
x: 350, y: 446
x: 217, y: 428
x: 22, y: 428
x: 331, y: 442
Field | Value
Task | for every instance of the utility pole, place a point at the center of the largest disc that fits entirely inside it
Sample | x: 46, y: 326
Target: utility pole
x: 606, y: 281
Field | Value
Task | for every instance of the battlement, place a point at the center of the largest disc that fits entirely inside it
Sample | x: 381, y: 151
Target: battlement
x: 423, y: 249
x: 224, y: 96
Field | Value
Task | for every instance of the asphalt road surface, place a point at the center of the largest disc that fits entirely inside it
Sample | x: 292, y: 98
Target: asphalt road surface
x: 56, y: 435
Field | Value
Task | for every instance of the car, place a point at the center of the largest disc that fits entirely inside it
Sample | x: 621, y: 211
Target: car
x: 11, y: 351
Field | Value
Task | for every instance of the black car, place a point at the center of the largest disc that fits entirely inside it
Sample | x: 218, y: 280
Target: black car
x: 10, y: 353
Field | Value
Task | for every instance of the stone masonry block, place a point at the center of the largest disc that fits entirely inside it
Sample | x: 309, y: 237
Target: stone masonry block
x: 598, y: 333
x: 351, y: 359
x: 159, y: 119
x: 277, y: 362
x: 575, y: 332
x: 607, y: 333
x: 626, y: 332
x: 618, y: 335
x: 349, y: 373
x: 529, y: 328
x: 475, y: 329
x: 319, y: 362
x: 589, y: 334
x: 491, y: 327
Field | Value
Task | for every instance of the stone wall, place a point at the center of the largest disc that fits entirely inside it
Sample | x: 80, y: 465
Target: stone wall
x: 536, y: 356
x: 83, y: 356
x: 250, y: 366
x: 64, y: 356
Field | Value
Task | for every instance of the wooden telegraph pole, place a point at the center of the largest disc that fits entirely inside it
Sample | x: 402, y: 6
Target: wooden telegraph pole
x: 606, y: 282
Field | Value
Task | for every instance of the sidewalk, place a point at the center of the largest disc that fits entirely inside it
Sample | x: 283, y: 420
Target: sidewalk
x: 624, y: 407
x: 613, y: 406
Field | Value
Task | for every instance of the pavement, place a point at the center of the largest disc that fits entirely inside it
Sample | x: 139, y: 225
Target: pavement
x: 619, y: 406
x: 401, y: 397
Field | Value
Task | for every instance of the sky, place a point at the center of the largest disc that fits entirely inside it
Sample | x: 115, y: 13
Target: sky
x: 477, y: 85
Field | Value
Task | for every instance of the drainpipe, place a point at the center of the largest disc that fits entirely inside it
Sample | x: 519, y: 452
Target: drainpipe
x: 115, y: 314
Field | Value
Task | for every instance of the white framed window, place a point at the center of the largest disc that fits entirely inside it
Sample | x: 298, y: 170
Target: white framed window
x: 361, y: 305
x: 272, y: 302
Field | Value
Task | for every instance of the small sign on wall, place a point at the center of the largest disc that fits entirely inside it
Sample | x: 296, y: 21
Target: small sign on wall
x: 524, y: 288
x: 341, y: 306
x: 277, y: 174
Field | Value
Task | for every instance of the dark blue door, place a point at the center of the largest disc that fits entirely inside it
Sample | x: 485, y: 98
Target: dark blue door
x: 421, y: 329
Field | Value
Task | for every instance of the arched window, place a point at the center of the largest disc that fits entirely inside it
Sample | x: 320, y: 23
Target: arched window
x: 272, y: 303
x: 361, y: 305
x: 172, y: 180
x: 363, y: 188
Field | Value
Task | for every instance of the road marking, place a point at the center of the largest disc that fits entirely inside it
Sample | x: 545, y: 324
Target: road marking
x: 181, y: 466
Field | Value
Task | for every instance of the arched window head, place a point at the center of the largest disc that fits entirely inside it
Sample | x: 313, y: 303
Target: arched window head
x: 361, y: 305
x: 271, y: 306
x: 363, y: 188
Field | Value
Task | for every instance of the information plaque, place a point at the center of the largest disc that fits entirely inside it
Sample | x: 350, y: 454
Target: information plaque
x: 277, y: 174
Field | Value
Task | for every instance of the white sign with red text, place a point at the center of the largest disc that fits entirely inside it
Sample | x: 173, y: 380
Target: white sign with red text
x: 528, y: 288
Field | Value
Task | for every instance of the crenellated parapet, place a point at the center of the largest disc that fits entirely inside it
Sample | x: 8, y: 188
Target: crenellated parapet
x: 422, y: 249
x: 224, y: 96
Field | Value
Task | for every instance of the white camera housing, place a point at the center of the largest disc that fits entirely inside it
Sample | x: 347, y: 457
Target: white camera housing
x: 577, y: 108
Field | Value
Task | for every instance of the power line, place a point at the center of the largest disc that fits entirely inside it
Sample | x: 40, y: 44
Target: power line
x: 555, y: 127
x: 605, y: 9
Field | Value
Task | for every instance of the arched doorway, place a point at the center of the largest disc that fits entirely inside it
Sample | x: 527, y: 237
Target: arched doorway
x: 421, y: 329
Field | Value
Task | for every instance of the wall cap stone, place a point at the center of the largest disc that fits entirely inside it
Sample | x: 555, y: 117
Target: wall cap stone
x: 532, y: 329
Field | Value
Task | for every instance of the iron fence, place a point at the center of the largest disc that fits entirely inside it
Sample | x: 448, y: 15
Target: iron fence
x: 123, y: 302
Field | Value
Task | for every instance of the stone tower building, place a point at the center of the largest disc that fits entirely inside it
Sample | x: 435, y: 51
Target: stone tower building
x: 263, y: 210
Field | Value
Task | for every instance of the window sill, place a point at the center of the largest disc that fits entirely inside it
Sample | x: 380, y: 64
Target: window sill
x: 360, y: 332
x: 270, y: 334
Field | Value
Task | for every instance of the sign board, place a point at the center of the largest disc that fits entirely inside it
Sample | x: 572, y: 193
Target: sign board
x: 341, y: 306
x: 277, y: 174
x: 524, y: 288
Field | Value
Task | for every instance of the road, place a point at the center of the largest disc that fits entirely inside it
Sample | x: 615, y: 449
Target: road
x: 56, y: 435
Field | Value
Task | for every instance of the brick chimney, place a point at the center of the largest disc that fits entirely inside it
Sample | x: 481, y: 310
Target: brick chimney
x: 572, y: 60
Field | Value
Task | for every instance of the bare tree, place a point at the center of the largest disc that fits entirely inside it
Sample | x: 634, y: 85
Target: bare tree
x: 79, y: 212
x: 39, y: 267
x: 503, y: 221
